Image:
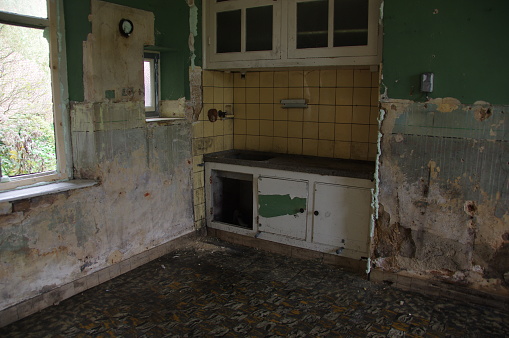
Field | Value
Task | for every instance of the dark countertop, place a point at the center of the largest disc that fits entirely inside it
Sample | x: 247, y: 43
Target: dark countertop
x: 298, y: 163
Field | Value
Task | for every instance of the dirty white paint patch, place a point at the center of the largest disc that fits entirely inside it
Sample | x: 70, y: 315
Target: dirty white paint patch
x: 173, y: 108
x: 112, y: 64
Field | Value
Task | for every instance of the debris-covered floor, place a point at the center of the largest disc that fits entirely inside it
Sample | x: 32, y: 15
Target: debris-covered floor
x: 216, y: 289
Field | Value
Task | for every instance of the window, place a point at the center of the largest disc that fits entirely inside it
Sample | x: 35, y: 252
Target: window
x: 31, y: 102
x: 151, y: 76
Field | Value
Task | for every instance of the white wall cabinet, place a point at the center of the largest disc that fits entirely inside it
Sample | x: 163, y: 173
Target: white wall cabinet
x: 244, y: 34
x: 323, y: 213
x: 242, y: 30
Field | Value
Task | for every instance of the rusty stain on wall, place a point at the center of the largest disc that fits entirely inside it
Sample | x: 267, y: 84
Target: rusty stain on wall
x: 444, y: 192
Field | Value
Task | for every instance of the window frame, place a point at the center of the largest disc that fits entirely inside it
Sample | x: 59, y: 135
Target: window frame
x: 58, y: 69
x: 155, y: 57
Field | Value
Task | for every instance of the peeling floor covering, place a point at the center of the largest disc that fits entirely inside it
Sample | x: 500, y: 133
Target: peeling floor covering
x: 218, y: 289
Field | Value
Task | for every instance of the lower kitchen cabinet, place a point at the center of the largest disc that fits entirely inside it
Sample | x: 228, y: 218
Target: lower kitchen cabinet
x: 331, y: 214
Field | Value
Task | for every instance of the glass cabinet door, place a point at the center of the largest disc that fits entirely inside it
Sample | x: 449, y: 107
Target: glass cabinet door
x: 312, y: 24
x: 351, y: 22
x: 259, y: 28
x: 228, y: 29
x: 243, y: 29
x: 332, y: 28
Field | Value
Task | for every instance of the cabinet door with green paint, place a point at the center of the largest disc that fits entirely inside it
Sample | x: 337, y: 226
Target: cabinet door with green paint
x: 282, y: 206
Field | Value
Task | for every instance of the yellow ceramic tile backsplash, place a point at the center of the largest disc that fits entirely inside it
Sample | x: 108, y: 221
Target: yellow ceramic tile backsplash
x: 344, y: 114
x: 218, y: 92
x: 326, y: 131
x: 310, y: 147
x: 340, y: 120
x: 312, y: 78
x: 325, y: 148
x: 296, y: 79
x: 281, y: 79
x: 295, y: 145
x: 344, y: 78
x: 267, y: 80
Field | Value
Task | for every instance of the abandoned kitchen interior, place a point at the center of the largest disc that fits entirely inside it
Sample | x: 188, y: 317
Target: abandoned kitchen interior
x: 368, y: 135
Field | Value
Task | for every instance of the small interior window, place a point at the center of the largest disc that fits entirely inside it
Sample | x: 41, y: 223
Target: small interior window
x: 151, y: 80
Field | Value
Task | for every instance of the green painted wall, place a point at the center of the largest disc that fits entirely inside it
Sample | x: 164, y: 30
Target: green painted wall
x: 463, y: 42
x: 77, y: 28
x: 171, y: 36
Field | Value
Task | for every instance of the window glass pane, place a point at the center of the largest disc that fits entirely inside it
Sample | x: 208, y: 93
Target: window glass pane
x: 259, y: 28
x: 350, y: 23
x: 228, y: 31
x: 27, y: 139
x: 148, y: 74
x: 312, y: 24
x: 35, y: 8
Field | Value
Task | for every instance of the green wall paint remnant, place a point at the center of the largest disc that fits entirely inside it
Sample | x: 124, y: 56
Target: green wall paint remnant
x: 478, y: 121
x: 109, y: 94
x: 464, y: 43
x: 279, y: 205
x: 77, y: 27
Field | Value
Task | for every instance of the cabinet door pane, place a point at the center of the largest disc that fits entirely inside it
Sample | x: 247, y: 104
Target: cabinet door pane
x: 259, y: 28
x: 228, y: 31
x: 350, y: 23
x: 312, y: 24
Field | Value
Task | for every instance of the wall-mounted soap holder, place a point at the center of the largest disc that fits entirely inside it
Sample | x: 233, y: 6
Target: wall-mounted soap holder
x: 294, y: 103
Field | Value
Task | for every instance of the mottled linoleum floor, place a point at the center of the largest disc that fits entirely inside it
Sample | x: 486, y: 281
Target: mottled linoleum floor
x: 217, y: 289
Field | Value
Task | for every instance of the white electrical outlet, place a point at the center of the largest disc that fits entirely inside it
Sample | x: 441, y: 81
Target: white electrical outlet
x: 427, y: 82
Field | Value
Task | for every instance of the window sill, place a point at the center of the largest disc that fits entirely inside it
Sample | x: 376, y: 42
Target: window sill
x: 46, y: 189
x: 166, y: 120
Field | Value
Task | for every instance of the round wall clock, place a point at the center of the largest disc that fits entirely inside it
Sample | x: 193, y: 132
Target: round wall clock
x: 126, y: 27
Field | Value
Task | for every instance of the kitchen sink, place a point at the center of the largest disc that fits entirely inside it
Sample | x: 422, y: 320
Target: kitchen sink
x: 249, y: 156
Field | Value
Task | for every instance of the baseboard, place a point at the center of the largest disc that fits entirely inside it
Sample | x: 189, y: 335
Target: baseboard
x: 348, y: 264
x: 55, y: 296
x: 437, y: 288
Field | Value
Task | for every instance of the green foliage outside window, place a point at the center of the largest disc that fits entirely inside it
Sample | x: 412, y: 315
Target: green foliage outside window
x: 27, y: 142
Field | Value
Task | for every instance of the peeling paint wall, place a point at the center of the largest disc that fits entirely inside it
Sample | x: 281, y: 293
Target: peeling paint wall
x: 171, y: 34
x: 444, y: 163
x: 111, y: 63
x: 144, y: 197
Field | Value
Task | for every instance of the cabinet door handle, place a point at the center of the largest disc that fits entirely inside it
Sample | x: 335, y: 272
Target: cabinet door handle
x: 301, y: 210
x: 316, y: 213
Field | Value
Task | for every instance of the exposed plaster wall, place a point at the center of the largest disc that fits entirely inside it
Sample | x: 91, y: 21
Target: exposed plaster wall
x: 144, y: 198
x: 112, y: 67
x: 444, y: 192
x: 443, y: 164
